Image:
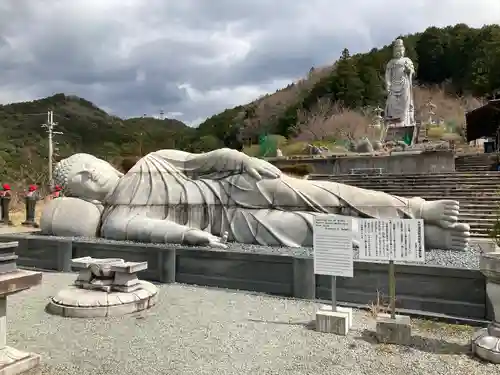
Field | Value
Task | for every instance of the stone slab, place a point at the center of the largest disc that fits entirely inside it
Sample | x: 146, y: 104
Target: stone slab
x: 14, y: 362
x: 13, y: 282
x: 86, y: 262
x: 129, y: 267
x: 332, y: 322
x: 393, y: 331
x: 340, y: 309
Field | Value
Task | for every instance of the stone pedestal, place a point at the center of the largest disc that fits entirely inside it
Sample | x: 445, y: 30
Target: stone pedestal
x: 343, y: 310
x: 393, y: 331
x: 13, y: 361
x: 338, y: 322
x: 105, y: 287
x: 486, y: 341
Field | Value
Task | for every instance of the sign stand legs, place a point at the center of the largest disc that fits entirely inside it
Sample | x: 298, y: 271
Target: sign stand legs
x: 392, y: 289
x: 334, y: 293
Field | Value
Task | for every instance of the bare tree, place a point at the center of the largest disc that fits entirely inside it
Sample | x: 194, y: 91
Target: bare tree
x: 329, y: 120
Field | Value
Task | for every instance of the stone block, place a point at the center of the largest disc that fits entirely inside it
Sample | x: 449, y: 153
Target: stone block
x: 332, y: 322
x: 13, y: 282
x: 125, y: 279
x: 345, y: 310
x: 393, y: 331
x: 14, y: 362
x: 129, y: 267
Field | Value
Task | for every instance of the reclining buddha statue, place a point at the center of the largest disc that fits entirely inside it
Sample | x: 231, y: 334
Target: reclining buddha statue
x: 171, y: 196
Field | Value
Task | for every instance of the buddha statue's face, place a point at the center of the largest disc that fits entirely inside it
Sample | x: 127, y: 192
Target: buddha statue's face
x: 88, y: 177
x: 399, y: 52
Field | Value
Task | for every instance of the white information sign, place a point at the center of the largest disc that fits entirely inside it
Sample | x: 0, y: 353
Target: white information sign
x: 333, y: 242
x: 400, y: 240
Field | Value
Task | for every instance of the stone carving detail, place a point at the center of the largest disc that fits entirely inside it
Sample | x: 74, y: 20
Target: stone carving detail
x: 108, y: 275
x: 399, y: 108
x: 105, y: 287
x: 172, y: 196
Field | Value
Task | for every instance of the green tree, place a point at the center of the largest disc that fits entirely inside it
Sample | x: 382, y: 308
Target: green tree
x: 347, y: 86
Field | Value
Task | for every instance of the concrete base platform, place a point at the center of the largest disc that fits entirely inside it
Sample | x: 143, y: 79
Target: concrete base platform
x: 76, y: 302
x: 393, y: 331
x: 344, y: 310
x: 337, y: 322
x: 13, y: 361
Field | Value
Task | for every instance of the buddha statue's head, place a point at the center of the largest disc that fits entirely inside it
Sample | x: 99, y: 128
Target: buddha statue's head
x: 398, y: 48
x: 85, y: 176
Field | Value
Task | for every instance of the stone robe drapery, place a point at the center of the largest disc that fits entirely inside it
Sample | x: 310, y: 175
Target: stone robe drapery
x: 399, y: 105
x: 197, y: 192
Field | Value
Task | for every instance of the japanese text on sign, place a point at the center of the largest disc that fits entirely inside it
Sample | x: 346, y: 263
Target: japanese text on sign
x: 333, y: 241
x: 395, y: 239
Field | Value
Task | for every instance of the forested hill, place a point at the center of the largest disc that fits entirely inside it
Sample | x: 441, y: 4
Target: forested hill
x: 85, y: 128
x: 462, y: 61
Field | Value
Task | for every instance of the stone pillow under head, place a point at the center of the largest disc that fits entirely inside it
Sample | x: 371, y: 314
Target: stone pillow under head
x: 71, y: 217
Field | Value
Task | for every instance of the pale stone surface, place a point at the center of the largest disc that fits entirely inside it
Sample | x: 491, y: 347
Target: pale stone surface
x: 77, y: 302
x: 104, y: 287
x: 13, y: 361
x: 340, y: 309
x: 399, y: 73
x: 171, y: 196
x: 332, y: 322
x: 393, y: 331
x: 486, y: 346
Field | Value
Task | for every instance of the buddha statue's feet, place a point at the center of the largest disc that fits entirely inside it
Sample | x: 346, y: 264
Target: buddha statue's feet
x: 443, y: 213
x: 455, y: 237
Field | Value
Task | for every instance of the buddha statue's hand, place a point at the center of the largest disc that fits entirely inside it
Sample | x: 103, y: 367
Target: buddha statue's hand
x: 258, y: 168
x: 202, y: 238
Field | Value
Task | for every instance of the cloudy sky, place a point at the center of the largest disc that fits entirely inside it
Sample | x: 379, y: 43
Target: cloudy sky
x: 194, y: 58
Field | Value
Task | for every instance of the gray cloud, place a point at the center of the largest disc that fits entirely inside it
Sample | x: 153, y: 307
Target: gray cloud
x: 195, y: 57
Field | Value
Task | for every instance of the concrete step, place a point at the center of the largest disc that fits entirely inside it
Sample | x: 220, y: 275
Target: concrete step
x: 434, y: 186
x: 413, y: 191
x: 423, y: 190
x: 418, y: 175
x: 428, y: 177
x: 426, y: 181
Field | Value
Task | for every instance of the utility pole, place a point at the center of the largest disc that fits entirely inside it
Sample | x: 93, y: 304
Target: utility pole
x: 49, y: 125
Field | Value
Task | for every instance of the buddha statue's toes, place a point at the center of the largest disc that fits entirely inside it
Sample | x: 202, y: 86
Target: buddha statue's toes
x: 443, y: 213
x: 455, y: 237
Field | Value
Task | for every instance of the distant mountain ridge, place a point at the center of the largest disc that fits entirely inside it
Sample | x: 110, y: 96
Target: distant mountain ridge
x: 85, y: 128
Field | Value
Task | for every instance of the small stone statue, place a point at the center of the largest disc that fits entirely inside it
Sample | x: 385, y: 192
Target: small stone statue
x: 171, y: 196
x: 398, y: 79
x: 364, y: 145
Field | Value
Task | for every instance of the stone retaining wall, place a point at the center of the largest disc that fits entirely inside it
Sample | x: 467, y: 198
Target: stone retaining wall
x: 422, y: 289
x: 409, y: 162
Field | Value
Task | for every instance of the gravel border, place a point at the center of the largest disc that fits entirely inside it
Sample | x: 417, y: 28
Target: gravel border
x: 468, y: 259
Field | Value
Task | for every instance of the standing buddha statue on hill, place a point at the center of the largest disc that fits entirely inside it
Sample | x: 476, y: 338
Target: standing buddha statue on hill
x: 399, y: 108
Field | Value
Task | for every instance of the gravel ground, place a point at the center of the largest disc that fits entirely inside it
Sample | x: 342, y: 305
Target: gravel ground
x: 213, y: 331
x: 445, y: 258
